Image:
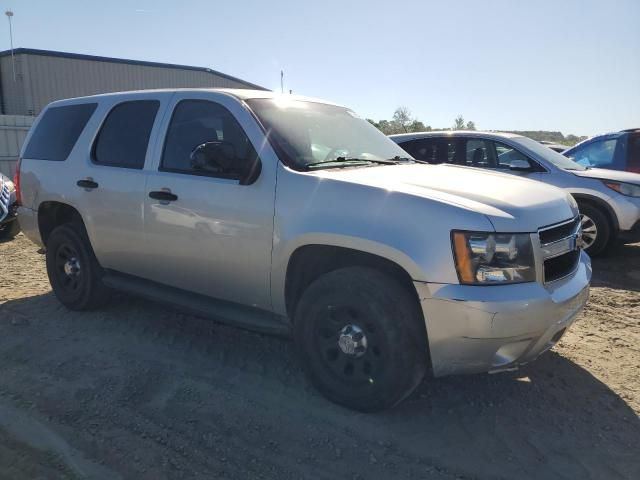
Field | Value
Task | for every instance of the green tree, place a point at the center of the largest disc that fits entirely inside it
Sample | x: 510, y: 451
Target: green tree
x: 458, y: 123
x: 470, y: 125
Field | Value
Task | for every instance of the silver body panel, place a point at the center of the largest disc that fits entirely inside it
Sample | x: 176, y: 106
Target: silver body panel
x: 234, y: 242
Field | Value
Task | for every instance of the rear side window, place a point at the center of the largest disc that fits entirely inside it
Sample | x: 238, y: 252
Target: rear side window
x: 432, y: 150
x: 124, y: 136
x: 58, y: 131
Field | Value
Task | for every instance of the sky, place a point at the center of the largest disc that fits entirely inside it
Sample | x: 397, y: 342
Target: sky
x: 569, y: 65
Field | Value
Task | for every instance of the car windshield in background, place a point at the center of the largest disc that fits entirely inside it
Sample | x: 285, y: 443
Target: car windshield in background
x: 316, y: 135
x: 545, y: 152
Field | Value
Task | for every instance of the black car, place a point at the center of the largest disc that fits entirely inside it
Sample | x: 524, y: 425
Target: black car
x: 9, y: 226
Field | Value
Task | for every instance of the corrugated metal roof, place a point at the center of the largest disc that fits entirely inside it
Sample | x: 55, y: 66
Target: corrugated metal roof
x: 95, y: 58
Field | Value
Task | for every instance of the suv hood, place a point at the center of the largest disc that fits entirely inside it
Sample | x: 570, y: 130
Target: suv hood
x: 511, y: 203
x: 606, y: 174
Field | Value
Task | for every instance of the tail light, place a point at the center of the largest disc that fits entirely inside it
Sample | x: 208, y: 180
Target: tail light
x: 16, y: 182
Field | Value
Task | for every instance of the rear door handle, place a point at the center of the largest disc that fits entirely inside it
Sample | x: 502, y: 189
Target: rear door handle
x: 88, y: 184
x: 163, y: 196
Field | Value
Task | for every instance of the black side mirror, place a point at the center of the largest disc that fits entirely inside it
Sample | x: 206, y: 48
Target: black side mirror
x: 215, y: 157
x: 219, y: 157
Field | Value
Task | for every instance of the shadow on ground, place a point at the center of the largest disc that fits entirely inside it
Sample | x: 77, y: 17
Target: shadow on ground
x: 618, y: 269
x: 151, y: 393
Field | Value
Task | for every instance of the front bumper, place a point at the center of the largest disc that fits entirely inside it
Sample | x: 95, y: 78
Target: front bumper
x: 492, y: 328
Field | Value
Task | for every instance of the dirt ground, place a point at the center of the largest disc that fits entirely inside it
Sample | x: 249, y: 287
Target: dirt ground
x: 140, y: 391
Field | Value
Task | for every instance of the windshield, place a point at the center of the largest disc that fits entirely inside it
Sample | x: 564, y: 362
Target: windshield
x: 310, y: 134
x: 545, y: 152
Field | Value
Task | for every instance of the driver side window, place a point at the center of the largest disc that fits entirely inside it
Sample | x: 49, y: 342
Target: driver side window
x: 224, y: 150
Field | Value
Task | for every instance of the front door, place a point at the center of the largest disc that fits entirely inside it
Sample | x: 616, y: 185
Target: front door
x: 205, y: 231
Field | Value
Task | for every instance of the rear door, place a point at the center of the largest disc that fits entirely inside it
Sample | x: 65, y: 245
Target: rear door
x: 205, y: 232
x: 110, y: 181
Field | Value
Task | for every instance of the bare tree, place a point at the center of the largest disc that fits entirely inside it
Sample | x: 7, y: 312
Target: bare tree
x: 402, y: 118
x: 458, y: 123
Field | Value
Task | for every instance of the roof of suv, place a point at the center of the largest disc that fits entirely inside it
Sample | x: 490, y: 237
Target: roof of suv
x: 240, y: 93
x: 454, y: 133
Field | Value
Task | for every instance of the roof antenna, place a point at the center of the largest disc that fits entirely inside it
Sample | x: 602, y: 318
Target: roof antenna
x: 9, y: 15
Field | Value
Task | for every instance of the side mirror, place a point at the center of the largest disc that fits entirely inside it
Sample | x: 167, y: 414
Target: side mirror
x: 519, y: 165
x: 213, y: 157
x: 220, y: 157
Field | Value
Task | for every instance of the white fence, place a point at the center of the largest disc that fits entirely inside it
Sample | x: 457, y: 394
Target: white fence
x: 13, y: 130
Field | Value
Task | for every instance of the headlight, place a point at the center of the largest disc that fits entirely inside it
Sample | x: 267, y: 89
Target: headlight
x: 493, y: 258
x: 628, y: 189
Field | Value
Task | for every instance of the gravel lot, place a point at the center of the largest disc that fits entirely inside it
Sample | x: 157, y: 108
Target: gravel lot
x: 140, y: 391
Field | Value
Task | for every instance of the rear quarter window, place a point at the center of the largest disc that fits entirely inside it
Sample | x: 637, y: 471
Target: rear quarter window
x: 58, y: 131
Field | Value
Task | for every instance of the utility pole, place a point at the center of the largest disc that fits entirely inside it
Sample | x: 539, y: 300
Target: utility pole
x: 281, y: 81
x: 9, y: 15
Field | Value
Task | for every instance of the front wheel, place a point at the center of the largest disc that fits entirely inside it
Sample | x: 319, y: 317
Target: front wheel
x: 596, y: 231
x: 9, y: 230
x: 362, y: 338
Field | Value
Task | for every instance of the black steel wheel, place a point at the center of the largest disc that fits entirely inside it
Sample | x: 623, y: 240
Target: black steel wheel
x: 74, y: 272
x: 362, y: 338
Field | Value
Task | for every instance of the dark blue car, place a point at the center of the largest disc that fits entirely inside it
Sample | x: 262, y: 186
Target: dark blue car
x: 616, y: 151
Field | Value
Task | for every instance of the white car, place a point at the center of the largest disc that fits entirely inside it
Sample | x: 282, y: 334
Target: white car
x: 609, y: 200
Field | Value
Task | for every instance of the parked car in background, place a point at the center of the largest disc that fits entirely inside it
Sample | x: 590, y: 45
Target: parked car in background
x: 556, y: 147
x: 615, y: 151
x: 9, y: 226
x: 381, y: 267
x: 609, y: 200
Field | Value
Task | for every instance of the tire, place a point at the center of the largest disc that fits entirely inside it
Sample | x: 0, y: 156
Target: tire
x: 74, y: 272
x: 384, y: 351
x: 596, y: 229
x: 9, y: 231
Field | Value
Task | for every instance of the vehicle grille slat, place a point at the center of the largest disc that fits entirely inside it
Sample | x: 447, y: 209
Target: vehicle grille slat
x: 561, y: 253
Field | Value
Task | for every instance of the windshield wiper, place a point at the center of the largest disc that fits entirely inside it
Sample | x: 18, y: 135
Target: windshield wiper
x: 398, y: 159
x: 341, y: 162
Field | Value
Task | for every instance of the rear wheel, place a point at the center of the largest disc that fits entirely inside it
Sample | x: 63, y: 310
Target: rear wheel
x: 74, y: 272
x: 596, y: 231
x: 9, y: 230
x: 362, y: 338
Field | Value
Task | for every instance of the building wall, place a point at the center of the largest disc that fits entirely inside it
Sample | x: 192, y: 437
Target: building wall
x: 13, y: 130
x: 42, y: 79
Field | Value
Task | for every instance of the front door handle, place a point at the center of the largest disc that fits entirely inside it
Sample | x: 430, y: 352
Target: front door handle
x: 163, y: 196
x: 87, y: 183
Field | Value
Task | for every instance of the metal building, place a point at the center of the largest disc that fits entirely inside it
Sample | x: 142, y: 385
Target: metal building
x: 42, y: 76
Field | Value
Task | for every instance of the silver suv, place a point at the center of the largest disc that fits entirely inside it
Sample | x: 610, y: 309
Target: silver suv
x: 609, y: 200
x: 292, y: 215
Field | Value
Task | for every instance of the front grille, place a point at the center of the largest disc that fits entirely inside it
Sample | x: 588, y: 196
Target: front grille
x: 559, y: 267
x: 4, y: 200
x: 553, y: 234
x: 559, y: 247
